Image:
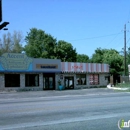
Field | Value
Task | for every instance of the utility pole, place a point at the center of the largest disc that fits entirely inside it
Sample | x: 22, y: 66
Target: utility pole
x: 125, y: 50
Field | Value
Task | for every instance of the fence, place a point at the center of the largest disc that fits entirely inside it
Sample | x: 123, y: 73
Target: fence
x: 119, y: 79
x: 125, y: 79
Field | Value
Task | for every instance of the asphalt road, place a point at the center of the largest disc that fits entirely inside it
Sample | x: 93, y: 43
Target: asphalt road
x: 91, y: 111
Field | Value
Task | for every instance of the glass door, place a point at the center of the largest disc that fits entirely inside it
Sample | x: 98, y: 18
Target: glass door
x: 48, y: 82
x: 69, y: 82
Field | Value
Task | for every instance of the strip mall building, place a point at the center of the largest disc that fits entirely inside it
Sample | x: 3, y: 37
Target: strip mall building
x: 17, y: 71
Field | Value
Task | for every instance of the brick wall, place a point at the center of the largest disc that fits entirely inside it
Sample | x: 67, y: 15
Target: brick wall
x: 102, y: 81
x: 22, y: 80
x: 22, y: 83
x: 41, y: 81
x: 2, y: 82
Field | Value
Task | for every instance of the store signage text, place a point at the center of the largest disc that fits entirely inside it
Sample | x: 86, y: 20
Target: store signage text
x: 14, y: 56
x: 77, y: 67
x: 15, y: 61
x: 46, y: 66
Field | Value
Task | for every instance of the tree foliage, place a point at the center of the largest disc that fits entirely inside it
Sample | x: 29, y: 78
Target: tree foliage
x: 40, y: 44
x: 65, y: 51
x: 115, y: 60
x: 127, y: 58
x: 11, y: 43
x: 111, y: 57
x: 82, y: 58
x: 97, y: 57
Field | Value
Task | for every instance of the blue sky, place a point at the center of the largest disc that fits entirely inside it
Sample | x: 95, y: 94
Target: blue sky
x: 86, y: 24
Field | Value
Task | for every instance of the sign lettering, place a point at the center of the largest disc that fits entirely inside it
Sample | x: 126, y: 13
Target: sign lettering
x: 46, y: 66
x: 15, y: 61
x: 77, y: 67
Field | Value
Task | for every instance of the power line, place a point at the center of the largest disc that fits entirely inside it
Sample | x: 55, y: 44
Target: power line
x: 113, y: 39
x: 117, y: 43
x: 93, y: 37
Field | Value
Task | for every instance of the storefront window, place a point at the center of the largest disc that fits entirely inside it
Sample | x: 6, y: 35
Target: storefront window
x: 31, y: 80
x: 12, y: 80
x: 69, y: 82
x: 93, y: 79
x: 81, y: 79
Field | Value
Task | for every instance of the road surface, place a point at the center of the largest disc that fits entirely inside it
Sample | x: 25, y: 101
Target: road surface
x: 68, y: 112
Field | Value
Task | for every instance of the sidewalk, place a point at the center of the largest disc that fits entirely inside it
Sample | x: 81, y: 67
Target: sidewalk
x: 116, y: 88
x: 90, y: 91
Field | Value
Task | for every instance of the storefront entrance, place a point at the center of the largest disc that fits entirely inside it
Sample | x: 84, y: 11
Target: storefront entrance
x: 49, y: 81
x: 69, y: 82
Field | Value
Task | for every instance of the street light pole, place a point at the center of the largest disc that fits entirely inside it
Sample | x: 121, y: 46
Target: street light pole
x: 0, y: 10
x: 4, y: 23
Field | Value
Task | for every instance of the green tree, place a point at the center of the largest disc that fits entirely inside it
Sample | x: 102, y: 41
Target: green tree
x: 40, y: 44
x: 97, y: 57
x: 65, y: 51
x: 115, y: 60
x: 11, y: 43
x: 82, y: 58
x: 127, y: 58
x: 111, y: 57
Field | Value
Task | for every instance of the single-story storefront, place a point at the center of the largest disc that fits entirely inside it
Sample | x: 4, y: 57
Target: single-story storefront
x: 17, y: 71
x: 83, y: 75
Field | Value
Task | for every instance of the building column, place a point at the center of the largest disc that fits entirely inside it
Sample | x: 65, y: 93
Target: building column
x: 41, y: 81
x: 75, y: 81
x: 2, y: 81
x: 56, y: 81
x: 22, y: 80
x: 87, y: 79
x: 57, y: 78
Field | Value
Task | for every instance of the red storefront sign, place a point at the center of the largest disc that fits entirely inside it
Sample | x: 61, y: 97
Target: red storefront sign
x: 77, y: 67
